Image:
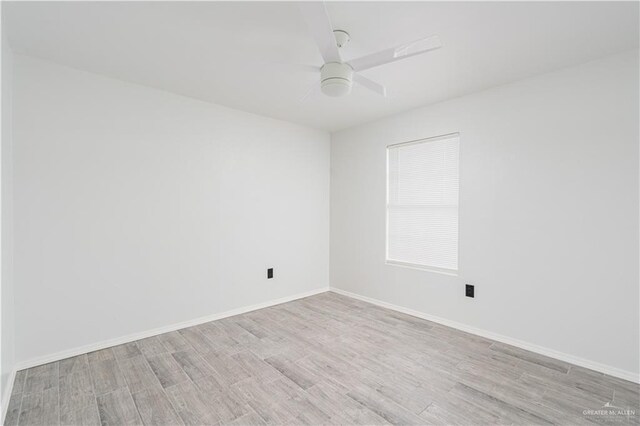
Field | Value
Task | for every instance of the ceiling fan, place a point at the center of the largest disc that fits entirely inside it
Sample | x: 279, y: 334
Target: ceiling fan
x: 337, y: 76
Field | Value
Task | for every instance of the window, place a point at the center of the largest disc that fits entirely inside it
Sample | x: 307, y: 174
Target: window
x: 422, y: 203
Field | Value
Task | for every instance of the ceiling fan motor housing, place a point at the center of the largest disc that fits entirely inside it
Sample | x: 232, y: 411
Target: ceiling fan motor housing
x: 336, y: 79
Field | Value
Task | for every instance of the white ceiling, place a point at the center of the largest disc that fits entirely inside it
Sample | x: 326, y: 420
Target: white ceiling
x: 246, y: 55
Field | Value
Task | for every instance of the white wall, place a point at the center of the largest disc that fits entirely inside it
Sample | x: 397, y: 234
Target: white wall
x: 548, y: 212
x: 7, y: 343
x: 136, y: 208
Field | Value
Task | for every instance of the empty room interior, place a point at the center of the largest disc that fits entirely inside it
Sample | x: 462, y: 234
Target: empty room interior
x: 320, y: 213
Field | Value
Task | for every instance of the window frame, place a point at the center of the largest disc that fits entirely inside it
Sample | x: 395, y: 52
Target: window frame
x: 392, y: 262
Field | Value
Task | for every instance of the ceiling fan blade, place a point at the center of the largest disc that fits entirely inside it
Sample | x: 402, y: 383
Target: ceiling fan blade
x: 396, y: 53
x: 317, y: 18
x: 370, y: 84
x: 276, y: 66
x: 303, y: 67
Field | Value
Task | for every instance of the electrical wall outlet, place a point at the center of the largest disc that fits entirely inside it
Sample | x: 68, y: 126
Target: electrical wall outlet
x: 469, y: 290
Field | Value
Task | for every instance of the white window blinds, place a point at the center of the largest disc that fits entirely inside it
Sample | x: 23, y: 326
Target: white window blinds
x: 422, y: 203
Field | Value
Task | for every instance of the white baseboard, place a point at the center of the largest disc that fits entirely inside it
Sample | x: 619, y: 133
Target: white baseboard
x: 592, y: 365
x: 33, y: 362
x: 6, y: 394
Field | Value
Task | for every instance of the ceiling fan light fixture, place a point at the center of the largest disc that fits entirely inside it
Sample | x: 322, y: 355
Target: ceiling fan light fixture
x: 336, y: 76
x: 336, y: 88
x: 336, y: 79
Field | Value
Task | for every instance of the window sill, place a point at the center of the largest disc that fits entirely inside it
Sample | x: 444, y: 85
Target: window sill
x: 442, y: 271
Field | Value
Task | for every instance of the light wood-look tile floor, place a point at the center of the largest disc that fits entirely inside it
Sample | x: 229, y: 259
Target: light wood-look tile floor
x: 326, y: 359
